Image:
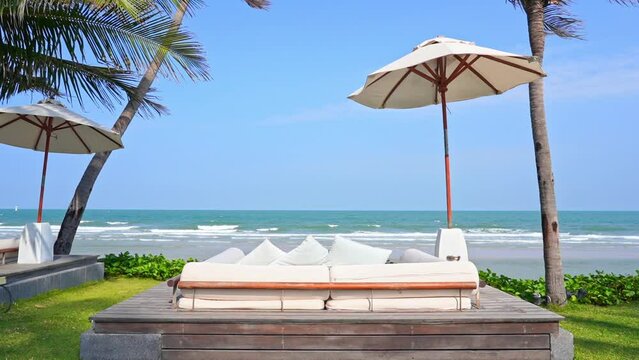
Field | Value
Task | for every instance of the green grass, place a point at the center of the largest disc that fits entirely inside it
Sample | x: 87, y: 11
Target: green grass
x: 603, y: 332
x: 49, y: 326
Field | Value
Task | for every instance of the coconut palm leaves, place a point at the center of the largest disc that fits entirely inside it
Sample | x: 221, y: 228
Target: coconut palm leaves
x: 558, y: 19
x: 91, y: 49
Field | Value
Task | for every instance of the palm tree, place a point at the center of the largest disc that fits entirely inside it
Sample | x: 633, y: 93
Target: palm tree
x: 78, y: 49
x: 78, y: 204
x: 548, y: 17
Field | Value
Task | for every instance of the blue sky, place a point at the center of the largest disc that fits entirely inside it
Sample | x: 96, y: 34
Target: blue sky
x: 274, y: 129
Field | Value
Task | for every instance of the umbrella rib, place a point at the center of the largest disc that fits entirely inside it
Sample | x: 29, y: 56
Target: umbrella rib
x: 432, y: 73
x: 465, y: 66
x: 42, y: 122
x: 64, y: 126
x: 35, y: 146
x: 414, y: 70
x: 10, y: 122
x: 395, y: 87
x: 482, y: 78
x: 379, y: 78
x: 459, y: 69
x: 111, y: 140
x: 80, y: 138
x: 512, y: 64
x: 22, y: 117
x: 65, y: 123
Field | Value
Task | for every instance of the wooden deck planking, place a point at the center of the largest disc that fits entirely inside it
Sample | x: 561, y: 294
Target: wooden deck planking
x: 504, y: 327
x: 153, y: 306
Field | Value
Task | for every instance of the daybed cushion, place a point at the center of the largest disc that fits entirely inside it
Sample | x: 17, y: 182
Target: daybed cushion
x: 406, y: 304
x: 187, y: 303
x: 418, y: 256
x: 309, y: 252
x: 228, y: 256
x: 349, y: 252
x: 9, y: 243
x: 203, y: 271
x: 264, y: 254
x: 448, y: 271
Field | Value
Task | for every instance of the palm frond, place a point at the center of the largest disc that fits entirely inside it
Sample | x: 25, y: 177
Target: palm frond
x: 258, y: 4
x: 625, y: 2
x: 112, y: 38
x: 28, y: 70
x: 558, y: 20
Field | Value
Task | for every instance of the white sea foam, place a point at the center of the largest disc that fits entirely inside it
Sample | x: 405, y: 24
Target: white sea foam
x: 85, y: 221
x: 218, y: 228
x: 375, y: 225
x: 117, y: 222
x: 268, y: 229
x: 332, y: 225
x: 158, y: 240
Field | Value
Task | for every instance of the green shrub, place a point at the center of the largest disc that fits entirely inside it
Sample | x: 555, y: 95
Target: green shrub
x: 599, y: 288
x: 156, y: 267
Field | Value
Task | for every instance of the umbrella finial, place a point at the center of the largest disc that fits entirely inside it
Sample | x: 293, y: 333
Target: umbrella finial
x: 51, y: 101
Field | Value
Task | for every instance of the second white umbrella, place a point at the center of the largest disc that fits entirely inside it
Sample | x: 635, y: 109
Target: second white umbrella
x: 442, y: 70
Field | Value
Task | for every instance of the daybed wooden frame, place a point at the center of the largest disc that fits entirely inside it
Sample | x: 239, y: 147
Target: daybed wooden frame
x: 5, y: 251
x: 176, y: 283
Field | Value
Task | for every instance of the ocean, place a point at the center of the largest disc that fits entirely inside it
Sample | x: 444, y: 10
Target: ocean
x: 508, y: 242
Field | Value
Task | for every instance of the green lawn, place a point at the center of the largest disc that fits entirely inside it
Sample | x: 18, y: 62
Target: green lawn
x: 610, y: 332
x: 49, y: 326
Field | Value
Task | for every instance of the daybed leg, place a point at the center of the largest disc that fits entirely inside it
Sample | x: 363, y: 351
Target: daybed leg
x: 174, y: 298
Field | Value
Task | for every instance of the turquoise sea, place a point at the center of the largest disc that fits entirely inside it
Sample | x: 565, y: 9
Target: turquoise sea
x: 505, y: 241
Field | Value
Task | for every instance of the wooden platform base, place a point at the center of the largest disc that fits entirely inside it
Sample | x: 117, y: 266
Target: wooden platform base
x: 504, y: 327
x: 28, y: 280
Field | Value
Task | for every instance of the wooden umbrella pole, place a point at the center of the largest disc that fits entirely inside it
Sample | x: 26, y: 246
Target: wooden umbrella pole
x: 442, y: 87
x: 47, y: 130
x: 449, y: 206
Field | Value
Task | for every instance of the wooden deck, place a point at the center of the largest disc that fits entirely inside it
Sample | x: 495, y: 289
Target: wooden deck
x: 504, y: 327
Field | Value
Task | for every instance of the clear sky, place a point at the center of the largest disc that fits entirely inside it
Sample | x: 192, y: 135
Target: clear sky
x: 274, y: 129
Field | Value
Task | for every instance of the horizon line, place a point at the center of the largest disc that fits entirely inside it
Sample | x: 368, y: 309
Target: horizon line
x: 326, y: 210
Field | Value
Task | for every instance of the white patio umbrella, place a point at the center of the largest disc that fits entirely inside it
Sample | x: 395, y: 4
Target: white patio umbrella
x: 442, y: 70
x: 50, y: 127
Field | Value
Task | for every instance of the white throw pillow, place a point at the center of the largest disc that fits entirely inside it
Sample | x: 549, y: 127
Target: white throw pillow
x: 264, y: 254
x: 309, y: 252
x: 349, y: 252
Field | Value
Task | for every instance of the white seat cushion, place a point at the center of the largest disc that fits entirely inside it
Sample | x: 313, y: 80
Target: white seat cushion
x: 188, y: 303
x: 203, y: 271
x: 309, y: 252
x: 405, y: 304
x: 446, y: 271
x: 9, y: 243
x: 264, y: 254
x: 349, y: 252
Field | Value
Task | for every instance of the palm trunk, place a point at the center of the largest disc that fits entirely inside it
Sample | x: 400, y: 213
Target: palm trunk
x: 555, y: 288
x: 80, y: 199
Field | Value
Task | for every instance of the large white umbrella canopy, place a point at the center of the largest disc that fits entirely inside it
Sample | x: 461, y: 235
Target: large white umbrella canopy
x: 50, y: 127
x: 443, y: 70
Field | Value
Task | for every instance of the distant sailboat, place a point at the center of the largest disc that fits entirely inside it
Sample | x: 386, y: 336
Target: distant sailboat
x: 16, y: 208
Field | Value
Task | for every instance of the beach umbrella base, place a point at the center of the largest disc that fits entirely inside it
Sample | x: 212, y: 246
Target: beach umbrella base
x: 36, y: 244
